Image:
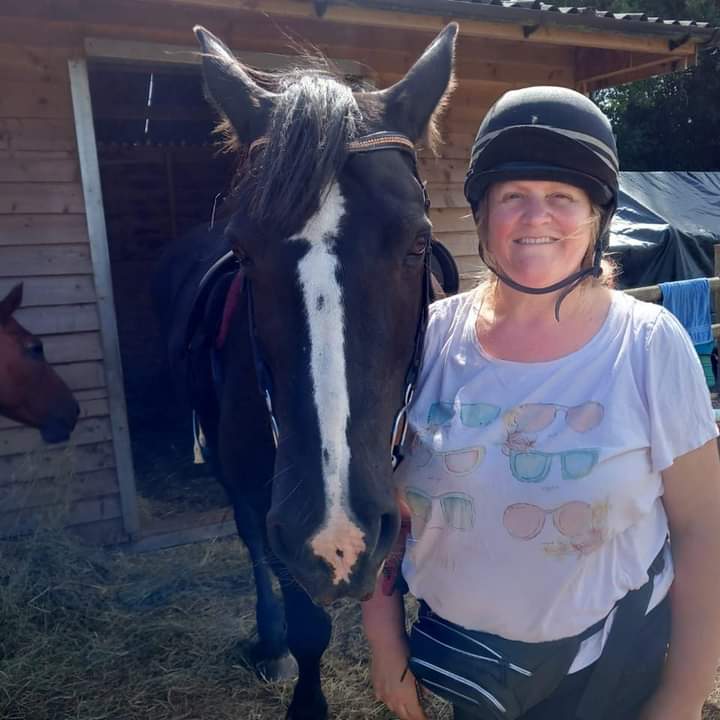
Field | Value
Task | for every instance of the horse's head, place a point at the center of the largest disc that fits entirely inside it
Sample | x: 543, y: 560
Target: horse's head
x: 31, y: 392
x: 332, y: 230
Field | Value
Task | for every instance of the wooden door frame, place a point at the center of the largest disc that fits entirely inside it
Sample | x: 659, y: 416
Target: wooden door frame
x: 100, y: 255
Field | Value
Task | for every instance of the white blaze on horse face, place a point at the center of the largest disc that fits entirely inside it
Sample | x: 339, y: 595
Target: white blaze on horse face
x: 339, y: 542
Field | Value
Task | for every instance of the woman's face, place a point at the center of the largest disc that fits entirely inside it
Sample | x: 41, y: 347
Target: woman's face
x: 538, y: 231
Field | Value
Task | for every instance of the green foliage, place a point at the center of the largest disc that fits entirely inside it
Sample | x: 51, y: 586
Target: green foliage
x: 670, y: 122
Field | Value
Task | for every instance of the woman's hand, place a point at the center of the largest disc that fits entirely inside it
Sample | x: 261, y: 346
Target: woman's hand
x: 393, y: 682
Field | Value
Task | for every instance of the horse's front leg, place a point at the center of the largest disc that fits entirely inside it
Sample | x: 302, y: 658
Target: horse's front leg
x: 308, y: 635
x: 270, y: 655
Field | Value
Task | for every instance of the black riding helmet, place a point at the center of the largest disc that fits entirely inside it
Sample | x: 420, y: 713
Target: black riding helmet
x: 548, y: 133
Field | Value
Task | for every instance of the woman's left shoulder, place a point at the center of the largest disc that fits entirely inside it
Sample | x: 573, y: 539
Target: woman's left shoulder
x: 649, y: 322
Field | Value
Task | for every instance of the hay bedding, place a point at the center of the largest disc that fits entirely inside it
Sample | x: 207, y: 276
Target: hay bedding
x: 86, y: 634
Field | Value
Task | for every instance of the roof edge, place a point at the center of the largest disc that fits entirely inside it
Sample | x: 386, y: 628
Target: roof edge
x: 677, y: 32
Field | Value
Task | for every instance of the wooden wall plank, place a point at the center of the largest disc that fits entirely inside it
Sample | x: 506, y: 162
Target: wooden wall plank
x: 49, y: 491
x: 384, y: 47
x: 47, y: 134
x: 21, y: 99
x: 452, y: 220
x: 52, y: 290
x: 471, y: 266
x: 38, y: 260
x: 48, y: 229
x: 91, y: 394
x: 459, y: 243
x: 19, y: 522
x: 443, y: 170
x: 40, y: 166
x: 479, y: 73
x: 24, y: 439
x: 447, y: 195
x: 50, y: 198
x: 39, y: 65
x: 59, y: 319
x: 82, y: 376
x: 53, y: 463
x: 73, y: 347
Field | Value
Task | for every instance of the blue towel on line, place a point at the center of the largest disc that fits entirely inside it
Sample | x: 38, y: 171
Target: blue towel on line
x: 689, y: 301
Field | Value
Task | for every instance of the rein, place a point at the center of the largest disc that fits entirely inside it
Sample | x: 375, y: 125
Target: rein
x: 367, y: 143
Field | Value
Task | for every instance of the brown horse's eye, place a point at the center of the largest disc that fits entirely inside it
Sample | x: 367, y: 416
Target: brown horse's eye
x: 35, y: 350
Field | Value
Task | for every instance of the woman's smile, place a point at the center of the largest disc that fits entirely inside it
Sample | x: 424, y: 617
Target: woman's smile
x: 545, y: 240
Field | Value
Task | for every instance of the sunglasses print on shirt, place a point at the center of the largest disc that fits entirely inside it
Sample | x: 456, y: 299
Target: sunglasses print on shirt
x: 457, y: 462
x: 533, y: 466
x: 473, y: 415
x: 457, y: 510
x: 581, y: 527
x: 534, y: 417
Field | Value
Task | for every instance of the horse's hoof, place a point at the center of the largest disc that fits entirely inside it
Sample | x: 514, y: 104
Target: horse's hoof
x: 280, y: 669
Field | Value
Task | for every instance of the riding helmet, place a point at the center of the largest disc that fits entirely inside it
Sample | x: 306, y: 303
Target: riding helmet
x: 546, y: 133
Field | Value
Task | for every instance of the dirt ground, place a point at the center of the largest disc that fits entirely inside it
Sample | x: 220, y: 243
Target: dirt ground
x: 89, y: 634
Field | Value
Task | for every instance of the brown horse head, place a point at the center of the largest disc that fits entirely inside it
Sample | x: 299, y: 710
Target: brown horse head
x: 31, y: 392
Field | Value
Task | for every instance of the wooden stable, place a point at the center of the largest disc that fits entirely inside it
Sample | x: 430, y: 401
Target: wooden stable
x: 53, y: 220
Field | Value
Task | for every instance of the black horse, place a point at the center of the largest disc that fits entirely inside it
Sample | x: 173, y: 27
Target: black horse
x: 330, y: 235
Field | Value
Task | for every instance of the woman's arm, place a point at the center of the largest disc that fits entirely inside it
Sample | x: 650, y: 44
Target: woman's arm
x: 692, y: 503
x: 384, y: 622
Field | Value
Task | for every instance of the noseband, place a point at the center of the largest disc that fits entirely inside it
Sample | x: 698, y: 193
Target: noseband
x: 367, y: 143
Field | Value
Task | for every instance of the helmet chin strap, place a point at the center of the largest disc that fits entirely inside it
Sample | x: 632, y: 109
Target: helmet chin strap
x: 567, y: 285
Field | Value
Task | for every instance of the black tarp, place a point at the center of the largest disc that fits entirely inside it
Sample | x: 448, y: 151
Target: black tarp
x: 666, y: 226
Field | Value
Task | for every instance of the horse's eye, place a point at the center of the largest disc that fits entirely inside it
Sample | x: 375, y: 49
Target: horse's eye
x: 421, y: 244
x: 35, y: 350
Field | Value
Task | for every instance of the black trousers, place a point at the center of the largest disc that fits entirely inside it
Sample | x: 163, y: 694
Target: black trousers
x: 642, y: 668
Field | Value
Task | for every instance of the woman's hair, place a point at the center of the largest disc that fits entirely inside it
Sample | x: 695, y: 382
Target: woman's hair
x: 490, y: 281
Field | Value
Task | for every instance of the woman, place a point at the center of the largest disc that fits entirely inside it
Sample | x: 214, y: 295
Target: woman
x: 561, y: 431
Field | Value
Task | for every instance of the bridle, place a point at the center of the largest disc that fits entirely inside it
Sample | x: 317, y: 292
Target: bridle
x: 367, y: 143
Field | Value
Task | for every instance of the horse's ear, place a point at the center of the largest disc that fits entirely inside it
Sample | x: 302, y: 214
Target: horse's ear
x: 10, y: 303
x: 411, y: 102
x: 242, y: 101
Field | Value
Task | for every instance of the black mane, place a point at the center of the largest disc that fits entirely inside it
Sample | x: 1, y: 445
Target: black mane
x: 284, y: 174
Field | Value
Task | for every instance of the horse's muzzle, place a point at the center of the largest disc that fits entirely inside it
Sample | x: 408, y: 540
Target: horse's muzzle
x: 320, y: 576
x: 58, y: 427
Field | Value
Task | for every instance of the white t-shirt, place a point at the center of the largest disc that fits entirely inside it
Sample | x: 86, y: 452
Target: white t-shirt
x: 535, y: 488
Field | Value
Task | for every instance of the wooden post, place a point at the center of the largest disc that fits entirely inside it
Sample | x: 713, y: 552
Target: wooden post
x: 97, y: 232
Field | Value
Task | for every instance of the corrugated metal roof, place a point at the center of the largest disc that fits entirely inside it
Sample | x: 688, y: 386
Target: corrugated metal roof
x: 545, y: 7
x: 533, y: 13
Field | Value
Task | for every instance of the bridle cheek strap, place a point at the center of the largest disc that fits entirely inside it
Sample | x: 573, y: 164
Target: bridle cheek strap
x: 400, y: 424
x: 397, y: 141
